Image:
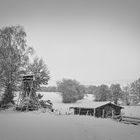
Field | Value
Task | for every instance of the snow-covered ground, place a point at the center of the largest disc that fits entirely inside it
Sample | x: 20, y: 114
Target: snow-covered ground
x: 45, y: 126
x: 133, y: 111
x: 51, y: 126
x: 55, y: 97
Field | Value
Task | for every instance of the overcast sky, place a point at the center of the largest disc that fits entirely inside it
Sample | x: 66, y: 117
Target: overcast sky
x: 92, y: 41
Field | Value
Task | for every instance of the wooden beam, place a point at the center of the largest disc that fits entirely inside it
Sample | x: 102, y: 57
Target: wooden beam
x: 103, y: 113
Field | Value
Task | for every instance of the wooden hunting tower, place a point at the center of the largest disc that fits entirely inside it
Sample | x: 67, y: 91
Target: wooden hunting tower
x: 28, y: 100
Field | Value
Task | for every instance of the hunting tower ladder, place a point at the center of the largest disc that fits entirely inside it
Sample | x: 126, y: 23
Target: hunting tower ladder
x: 28, y: 99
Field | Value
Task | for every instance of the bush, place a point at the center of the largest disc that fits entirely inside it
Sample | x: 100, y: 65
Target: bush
x: 71, y: 90
x: 102, y: 93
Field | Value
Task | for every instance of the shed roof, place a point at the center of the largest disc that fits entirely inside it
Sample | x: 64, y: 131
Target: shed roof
x: 93, y: 105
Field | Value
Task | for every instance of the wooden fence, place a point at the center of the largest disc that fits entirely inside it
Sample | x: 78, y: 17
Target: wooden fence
x: 130, y: 120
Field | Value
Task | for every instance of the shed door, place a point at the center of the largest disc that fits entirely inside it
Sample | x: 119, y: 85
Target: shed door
x: 109, y: 111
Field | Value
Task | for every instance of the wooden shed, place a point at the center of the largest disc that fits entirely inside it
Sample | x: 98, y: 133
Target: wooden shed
x: 98, y: 109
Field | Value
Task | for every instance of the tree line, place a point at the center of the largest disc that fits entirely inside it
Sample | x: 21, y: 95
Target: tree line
x: 15, y: 62
x: 72, y: 91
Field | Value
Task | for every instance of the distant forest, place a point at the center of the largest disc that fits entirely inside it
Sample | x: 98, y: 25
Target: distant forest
x: 71, y: 89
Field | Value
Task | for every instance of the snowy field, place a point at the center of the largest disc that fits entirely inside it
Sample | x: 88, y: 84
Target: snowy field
x: 45, y: 126
x: 132, y: 111
x: 51, y: 126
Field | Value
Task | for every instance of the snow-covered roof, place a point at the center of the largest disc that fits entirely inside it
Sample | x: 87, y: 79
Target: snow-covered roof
x: 92, y: 104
